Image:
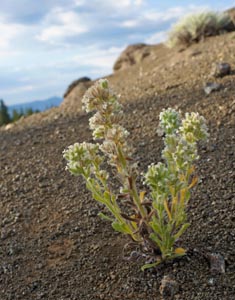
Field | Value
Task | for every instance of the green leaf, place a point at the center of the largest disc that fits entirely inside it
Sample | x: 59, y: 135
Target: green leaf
x: 181, y: 231
x: 156, y: 227
x: 104, y: 217
x: 119, y: 227
x: 98, y: 198
x: 107, y: 195
x: 147, y: 266
x: 156, y: 240
x: 187, y: 196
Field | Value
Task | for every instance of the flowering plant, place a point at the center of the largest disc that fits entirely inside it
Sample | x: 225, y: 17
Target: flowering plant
x: 154, y: 220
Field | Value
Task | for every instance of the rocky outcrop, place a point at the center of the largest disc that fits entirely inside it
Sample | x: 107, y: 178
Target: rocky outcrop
x: 133, y: 54
x: 74, y: 84
x: 73, y: 96
x: 231, y: 25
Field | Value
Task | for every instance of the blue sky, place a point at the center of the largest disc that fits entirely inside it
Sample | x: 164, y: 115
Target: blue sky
x: 46, y: 44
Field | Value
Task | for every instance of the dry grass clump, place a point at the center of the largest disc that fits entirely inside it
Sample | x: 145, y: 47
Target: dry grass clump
x: 194, y: 28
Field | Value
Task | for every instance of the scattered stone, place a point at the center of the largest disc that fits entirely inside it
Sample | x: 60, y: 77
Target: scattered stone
x: 93, y: 212
x: 168, y: 288
x: 220, y: 69
x: 211, y: 281
x: 217, y: 264
x: 210, y: 87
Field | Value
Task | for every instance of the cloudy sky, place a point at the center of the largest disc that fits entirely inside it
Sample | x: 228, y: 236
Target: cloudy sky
x: 46, y: 44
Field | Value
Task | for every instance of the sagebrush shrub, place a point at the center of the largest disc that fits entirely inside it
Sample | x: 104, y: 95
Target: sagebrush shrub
x: 194, y: 28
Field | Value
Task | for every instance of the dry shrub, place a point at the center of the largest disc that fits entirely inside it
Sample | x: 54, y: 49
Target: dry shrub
x: 194, y: 28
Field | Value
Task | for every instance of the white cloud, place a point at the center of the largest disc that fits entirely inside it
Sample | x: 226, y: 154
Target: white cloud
x: 139, y: 2
x: 156, y: 38
x: 154, y: 17
x: 59, y: 25
x: 114, y: 6
x: 79, y: 2
x: 172, y: 13
x: 99, y: 58
x: 9, y: 31
x: 130, y: 23
x: 20, y: 89
x: 7, y: 53
x: 119, y: 3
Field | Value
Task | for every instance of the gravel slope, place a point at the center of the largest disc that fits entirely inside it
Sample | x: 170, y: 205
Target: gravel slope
x: 53, y: 245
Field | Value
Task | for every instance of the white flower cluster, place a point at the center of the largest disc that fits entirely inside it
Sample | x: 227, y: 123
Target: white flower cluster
x: 180, y: 150
x: 194, y: 128
x: 115, y: 138
x: 82, y: 159
x: 117, y: 133
x: 169, y: 121
x: 100, y: 97
x: 181, y: 137
x: 105, y: 122
x: 157, y: 177
x: 115, y: 146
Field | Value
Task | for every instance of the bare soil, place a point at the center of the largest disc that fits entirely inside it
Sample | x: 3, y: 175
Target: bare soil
x: 52, y: 243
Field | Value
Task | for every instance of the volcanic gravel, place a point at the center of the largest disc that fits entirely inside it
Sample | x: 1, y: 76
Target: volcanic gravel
x: 52, y: 243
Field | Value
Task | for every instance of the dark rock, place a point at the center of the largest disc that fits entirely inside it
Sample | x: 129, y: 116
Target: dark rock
x: 93, y: 212
x: 217, y: 264
x: 168, y: 288
x: 73, y: 96
x: 231, y: 25
x: 220, y: 69
x: 75, y: 83
x: 133, y: 54
x: 210, y: 87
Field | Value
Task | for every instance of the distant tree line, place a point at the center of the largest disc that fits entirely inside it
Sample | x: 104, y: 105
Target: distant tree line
x: 6, y: 118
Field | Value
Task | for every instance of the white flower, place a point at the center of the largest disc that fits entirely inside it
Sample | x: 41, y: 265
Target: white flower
x: 117, y: 133
x: 82, y: 157
x: 98, y: 97
x: 194, y: 127
x: 169, y: 121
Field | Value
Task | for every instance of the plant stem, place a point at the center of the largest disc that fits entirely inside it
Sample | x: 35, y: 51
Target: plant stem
x: 136, y: 198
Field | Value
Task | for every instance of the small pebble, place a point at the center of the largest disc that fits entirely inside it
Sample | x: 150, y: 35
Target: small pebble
x: 217, y: 264
x: 210, y: 87
x: 168, y: 288
x: 220, y: 69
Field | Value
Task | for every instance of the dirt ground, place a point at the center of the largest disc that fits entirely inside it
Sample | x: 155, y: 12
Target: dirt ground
x: 52, y: 243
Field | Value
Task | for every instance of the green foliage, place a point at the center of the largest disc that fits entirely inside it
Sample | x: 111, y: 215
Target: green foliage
x: 4, y: 115
x: 194, y: 28
x: 156, y: 220
x: 29, y: 112
x: 5, y: 118
x: 16, y: 115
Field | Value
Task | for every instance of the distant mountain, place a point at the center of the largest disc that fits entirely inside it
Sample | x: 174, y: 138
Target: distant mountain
x: 40, y: 105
